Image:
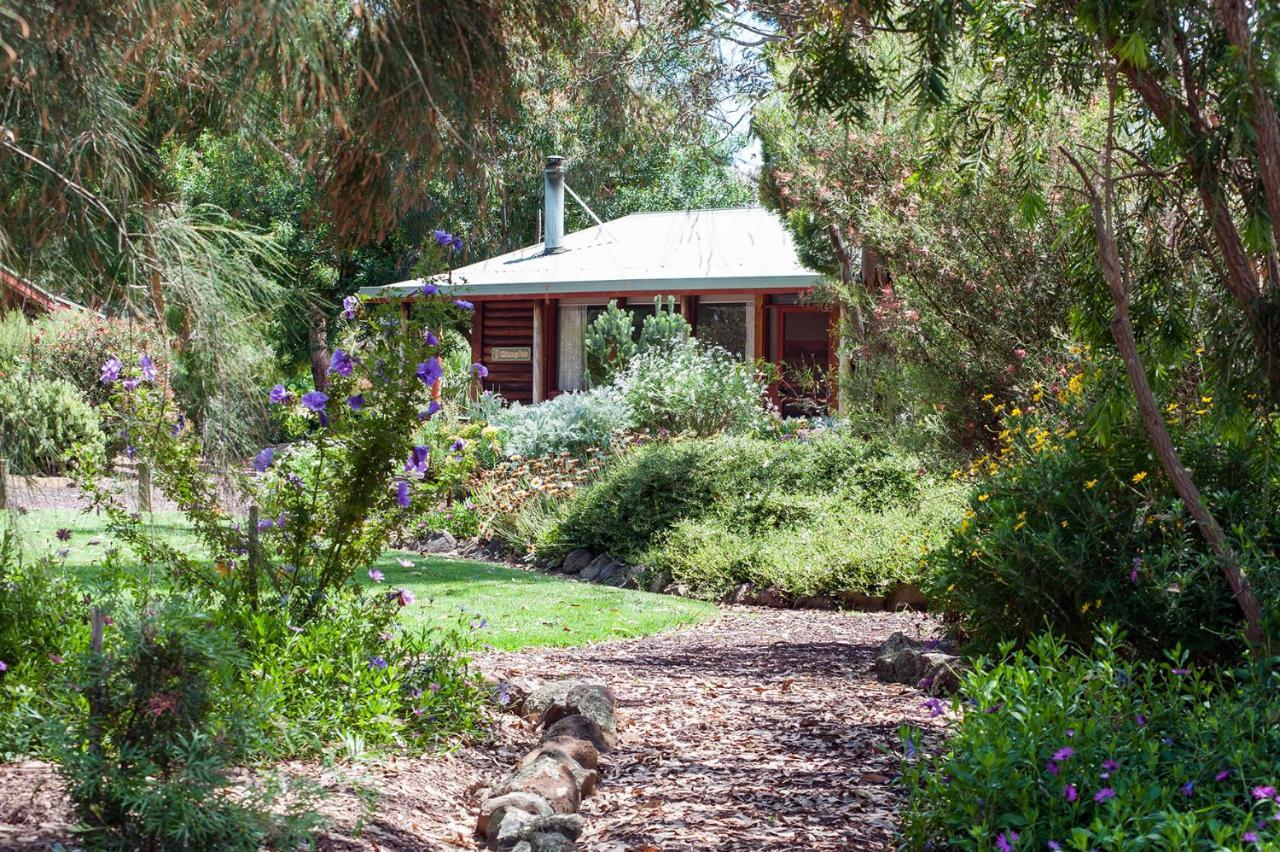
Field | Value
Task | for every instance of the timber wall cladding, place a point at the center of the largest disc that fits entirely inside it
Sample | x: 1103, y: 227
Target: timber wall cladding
x: 505, y: 325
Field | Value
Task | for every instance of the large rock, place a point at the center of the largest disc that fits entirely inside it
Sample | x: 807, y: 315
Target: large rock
x: 595, y: 567
x: 593, y: 700
x: 862, y: 601
x: 579, y: 749
x: 440, y: 542
x: 631, y: 576
x: 659, y: 582
x: 743, y: 593
x: 906, y: 596
x: 548, y: 778
x: 772, y: 597
x: 584, y: 777
x: 928, y: 665
x: 582, y: 728
x: 538, y: 701
x: 495, y: 809
x: 610, y: 573
x: 817, y: 602
x: 566, y: 825
x: 577, y: 560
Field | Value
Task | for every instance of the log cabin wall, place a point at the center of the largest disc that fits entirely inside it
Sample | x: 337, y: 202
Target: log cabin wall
x: 507, y: 325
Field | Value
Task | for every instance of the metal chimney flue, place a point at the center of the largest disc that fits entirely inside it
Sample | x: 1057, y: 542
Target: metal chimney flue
x: 553, y: 206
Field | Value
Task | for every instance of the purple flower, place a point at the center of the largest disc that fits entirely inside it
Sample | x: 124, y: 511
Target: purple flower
x: 1051, y: 768
x: 341, y: 363
x: 1223, y: 775
x: 1180, y: 671
x: 464, y: 304
x: 457, y: 243
x: 1071, y: 732
x: 375, y: 575
x: 480, y: 370
x: 131, y: 451
x: 110, y: 370
x: 350, y: 304
x: 148, y: 368
x: 1054, y: 846
x: 1141, y: 719
x: 263, y: 460
x: 315, y: 401
x: 432, y: 409
x: 356, y: 401
x: 377, y: 663
x: 417, y: 462
x: 428, y: 289
x: 1063, y: 753
x: 1188, y: 788
x: 178, y: 426
x: 1267, y: 792
x: 278, y: 395
x: 1104, y: 794
x: 404, y: 597
x: 1137, y: 563
x: 935, y: 707
x: 131, y: 384
x: 430, y: 371
x: 1005, y: 840
x: 429, y: 338
x: 266, y: 524
x: 1110, y: 764
x: 4, y: 667
x: 1070, y: 792
x: 402, y: 494
x: 442, y: 238
x: 63, y: 534
x: 458, y: 445
x: 1250, y: 837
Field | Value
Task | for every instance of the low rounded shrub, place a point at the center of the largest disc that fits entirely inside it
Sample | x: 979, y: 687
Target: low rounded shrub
x: 1063, y: 533
x: 694, y: 389
x: 571, y: 422
x: 41, y: 420
x: 1055, y: 749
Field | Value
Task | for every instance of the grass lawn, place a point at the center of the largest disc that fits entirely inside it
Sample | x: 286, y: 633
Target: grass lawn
x: 522, y: 608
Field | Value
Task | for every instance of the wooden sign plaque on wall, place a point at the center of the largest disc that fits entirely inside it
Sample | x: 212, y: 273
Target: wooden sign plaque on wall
x: 511, y: 353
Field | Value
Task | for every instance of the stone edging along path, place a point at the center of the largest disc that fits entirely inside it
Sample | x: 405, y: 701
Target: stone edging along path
x: 585, y: 564
x: 535, y: 809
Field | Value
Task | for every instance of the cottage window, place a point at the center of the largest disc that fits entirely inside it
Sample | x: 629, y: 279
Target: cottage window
x: 727, y: 325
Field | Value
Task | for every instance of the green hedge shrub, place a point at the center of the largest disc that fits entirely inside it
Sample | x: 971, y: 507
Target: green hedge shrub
x: 40, y: 420
x: 1066, y: 534
x: 819, y: 516
x: 692, y: 389
x: 806, y: 547
x: 1061, y: 750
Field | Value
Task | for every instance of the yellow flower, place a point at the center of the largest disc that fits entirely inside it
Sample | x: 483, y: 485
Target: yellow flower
x: 1084, y: 608
x: 1019, y: 525
x: 1091, y: 483
x: 1017, y: 412
x: 987, y: 397
x: 1071, y: 434
x: 982, y: 498
x: 998, y: 408
x: 1022, y: 515
x: 1063, y: 524
x: 1202, y: 411
x: 1206, y: 399
x: 951, y: 588
x: 1200, y: 350
x: 1139, y: 476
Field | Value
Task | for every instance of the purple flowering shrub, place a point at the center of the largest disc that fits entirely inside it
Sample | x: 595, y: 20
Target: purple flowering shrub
x: 1053, y: 749
x: 1064, y: 533
x: 327, y: 504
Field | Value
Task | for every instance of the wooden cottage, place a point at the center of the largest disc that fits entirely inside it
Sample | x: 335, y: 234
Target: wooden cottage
x: 734, y: 272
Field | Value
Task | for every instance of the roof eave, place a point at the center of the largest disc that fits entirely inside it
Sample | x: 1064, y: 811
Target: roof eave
x: 788, y: 281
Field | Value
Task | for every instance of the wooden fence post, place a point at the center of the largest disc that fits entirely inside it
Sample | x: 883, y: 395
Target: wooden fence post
x: 4, y: 483
x: 251, y: 567
x: 96, y: 623
x: 144, y: 487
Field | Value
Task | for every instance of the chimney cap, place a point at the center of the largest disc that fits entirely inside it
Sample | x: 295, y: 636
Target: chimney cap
x: 554, y: 160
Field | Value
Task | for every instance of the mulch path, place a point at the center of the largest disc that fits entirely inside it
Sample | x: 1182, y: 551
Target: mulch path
x: 760, y: 730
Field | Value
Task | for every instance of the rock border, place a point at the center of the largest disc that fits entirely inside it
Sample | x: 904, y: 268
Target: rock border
x: 585, y: 564
x: 535, y: 808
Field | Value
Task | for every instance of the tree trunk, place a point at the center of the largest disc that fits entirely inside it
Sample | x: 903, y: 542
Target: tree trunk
x: 1149, y: 408
x: 318, y: 345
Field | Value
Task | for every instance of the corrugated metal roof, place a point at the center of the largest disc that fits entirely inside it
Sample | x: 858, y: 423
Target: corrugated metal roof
x: 746, y: 248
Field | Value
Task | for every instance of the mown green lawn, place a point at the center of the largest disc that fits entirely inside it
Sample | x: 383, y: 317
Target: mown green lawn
x: 521, y: 608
